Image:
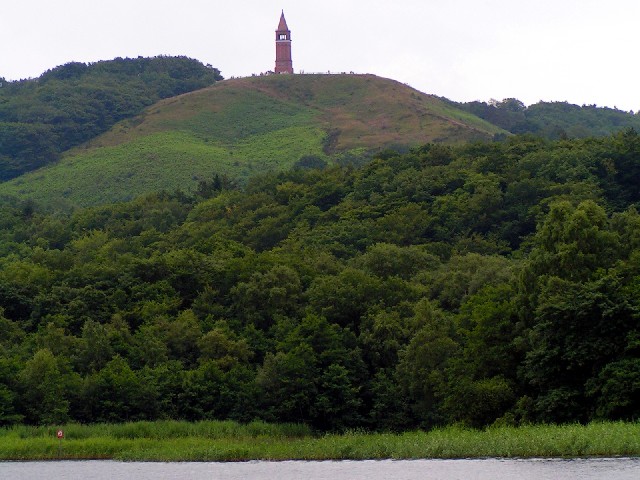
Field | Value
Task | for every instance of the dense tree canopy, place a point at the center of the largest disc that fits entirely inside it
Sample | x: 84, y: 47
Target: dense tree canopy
x: 553, y: 120
x: 492, y: 282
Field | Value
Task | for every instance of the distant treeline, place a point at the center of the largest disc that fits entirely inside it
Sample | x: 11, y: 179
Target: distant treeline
x: 552, y: 120
x: 70, y: 104
x: 492, y: 282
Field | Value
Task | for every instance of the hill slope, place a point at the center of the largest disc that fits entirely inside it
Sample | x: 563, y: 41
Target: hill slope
x: 245, y: 126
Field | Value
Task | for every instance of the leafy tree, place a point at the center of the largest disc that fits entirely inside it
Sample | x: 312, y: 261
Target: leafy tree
x: 210, y: 393
x: 118, y: 394
x: 8, y: 396
x: 478, y: 403
x: 553, y: 120
x: 314, y: 376
x: 25, y: 146
x: 582, y: 314
x: 217, y: 346
x: 44, y: 390
x: 579, y: 329
x: 616, y: 390
x: 311, y: 161
x: 464, y: 275
x: 96, y: 347
x: 423, y: 363
x: 345, y: 298
x: 182, y: 335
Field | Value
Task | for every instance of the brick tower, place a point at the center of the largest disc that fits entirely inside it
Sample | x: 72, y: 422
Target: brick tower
x: 283, y: 47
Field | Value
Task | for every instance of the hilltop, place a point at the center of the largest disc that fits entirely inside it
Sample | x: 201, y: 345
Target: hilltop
x: 240, y: 127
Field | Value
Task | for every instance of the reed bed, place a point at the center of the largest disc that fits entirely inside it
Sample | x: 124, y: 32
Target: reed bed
x: 231, y: 441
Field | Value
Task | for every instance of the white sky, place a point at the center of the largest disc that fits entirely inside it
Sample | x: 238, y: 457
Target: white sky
x: 581, y: 51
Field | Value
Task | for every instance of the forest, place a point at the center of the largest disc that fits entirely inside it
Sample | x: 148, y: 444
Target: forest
x: 552, y: 120
x: 486, y: 283
x: 70, y: 104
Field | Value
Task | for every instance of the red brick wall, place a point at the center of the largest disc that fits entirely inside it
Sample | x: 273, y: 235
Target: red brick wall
x: 283, y: 57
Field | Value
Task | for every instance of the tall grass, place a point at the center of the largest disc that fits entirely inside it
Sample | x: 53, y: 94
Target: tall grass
x: 163, y: 430
x: 230, y: 441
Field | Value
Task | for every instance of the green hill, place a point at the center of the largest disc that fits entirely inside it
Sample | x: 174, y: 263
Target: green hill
x: 241, y: 127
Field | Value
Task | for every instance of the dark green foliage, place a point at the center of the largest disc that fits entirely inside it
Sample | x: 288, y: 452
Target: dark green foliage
x: 471, y: 284
x: 311, y: 161
x: 118, y: 392
x: 553, y: 120
x: 45, y: 389
x: 70, y: 104
x: 314, y: 377
x: 25, y: 146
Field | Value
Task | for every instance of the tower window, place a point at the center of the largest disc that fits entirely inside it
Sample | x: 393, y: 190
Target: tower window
x: 283, y: 36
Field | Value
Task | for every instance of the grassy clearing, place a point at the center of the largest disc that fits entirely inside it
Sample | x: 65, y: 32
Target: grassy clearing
x: 162, y: 161
x: 230, y: 441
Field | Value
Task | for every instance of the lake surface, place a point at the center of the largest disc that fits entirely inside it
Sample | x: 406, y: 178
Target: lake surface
x: 485, y: 469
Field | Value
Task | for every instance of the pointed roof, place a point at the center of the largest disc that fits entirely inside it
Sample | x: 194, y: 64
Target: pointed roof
x: 282, y: 26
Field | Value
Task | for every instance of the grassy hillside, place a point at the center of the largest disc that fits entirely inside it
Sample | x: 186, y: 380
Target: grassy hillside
x: 245, y: 126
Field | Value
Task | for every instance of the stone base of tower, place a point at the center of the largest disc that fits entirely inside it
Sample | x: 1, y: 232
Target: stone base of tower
x: 284, y: 69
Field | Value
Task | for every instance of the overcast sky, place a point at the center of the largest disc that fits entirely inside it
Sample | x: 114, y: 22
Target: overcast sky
x: 581, y: 51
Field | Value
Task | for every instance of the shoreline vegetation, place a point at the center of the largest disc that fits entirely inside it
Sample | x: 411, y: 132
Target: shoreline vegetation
x: 225, y: 441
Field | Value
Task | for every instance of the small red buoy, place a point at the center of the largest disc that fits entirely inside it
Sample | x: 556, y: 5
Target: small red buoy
x: 60, y: 434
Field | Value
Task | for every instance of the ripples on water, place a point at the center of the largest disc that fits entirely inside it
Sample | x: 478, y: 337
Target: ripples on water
x: 487, y: 469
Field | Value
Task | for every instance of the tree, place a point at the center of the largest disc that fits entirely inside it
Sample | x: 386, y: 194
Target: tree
x: 490, y: 324
x: 580, y: 328
x: 266, y: 295
x: 72, y: 103
x: 616, y: 389
x: 44, y: 388
x: 182, y: 336
x: 25, y: 147
x: 478, y: 403
x: 421, y: 371
x: 8, y: 396
x: 576, y: 286
x: 571, y: 244
x: 220, y: 347
x: 96, y: 349
x: 118, y: 394
x: 315, y: 376
x: 345, y: 298
x: 311, y: 162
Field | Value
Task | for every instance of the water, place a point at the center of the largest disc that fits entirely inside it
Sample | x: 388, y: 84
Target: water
x: 487, y: 469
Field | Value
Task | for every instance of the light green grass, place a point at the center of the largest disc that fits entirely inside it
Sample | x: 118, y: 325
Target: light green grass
x: 228, y: 115
x: 229, y: 441
x: 162, y: 161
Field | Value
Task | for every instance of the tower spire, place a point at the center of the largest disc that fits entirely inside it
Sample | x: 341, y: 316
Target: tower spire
x: 283, y: 47
x: 283, y: 23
